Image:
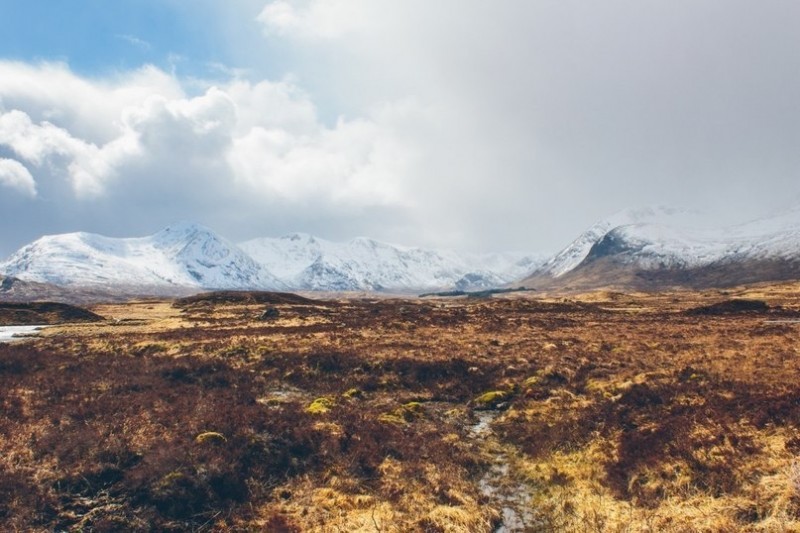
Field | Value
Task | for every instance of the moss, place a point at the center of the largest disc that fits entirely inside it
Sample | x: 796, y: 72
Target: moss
x: 404, y: 414
x: 530, y: 382
x: 598, y: 386
x: 491, y: 399
x: 353, y: 393
x: 413, y: 407
x: 320, y: 406
x: 410, y: 411
x: 210, y: 436
x: 392, y: 418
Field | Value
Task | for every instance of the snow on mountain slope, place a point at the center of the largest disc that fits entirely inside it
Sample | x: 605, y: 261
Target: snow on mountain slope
x: 307, y: 262
x: 662, y: 247
x: 183, y: 255
x: 571, y: 256
x: 189, y: 255
x: 658, y: 246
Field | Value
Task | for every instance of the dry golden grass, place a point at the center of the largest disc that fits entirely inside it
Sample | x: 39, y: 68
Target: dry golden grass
x: 602, y: 411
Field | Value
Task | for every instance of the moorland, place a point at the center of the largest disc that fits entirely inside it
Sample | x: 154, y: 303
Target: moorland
x: 601, y: 411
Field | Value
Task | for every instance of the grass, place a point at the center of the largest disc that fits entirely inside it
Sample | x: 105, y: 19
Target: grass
x: 607, y: 411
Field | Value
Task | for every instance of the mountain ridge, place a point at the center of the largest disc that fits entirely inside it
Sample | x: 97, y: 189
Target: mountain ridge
x: 647, y: 248
x: 180, y: 255
x: 654, y: 252
x: 367, y: 264
x: 188, y: 255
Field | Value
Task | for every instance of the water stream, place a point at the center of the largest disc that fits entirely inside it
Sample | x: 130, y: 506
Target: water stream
x: 498, y: 483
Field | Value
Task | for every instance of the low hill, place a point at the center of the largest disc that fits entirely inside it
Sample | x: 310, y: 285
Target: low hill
x: 44, y: 313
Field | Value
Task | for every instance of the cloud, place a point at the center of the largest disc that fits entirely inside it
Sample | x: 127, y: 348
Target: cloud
x: 151, y: 152
x: 14, y: 175
x: 88, y: 108
x: 136, y: 41
x: 542, y: 117
x: 455, y: 123
x: 268, y: 133
x: 87, y: 166
x: 314, y: 19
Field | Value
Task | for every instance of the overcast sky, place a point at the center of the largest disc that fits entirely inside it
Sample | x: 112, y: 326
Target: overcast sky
x: 463, y: 124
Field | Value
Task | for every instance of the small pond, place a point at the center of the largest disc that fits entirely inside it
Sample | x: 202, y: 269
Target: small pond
x: 15, y: 333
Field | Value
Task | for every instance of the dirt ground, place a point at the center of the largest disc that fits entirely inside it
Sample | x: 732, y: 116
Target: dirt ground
x: 604, y: 411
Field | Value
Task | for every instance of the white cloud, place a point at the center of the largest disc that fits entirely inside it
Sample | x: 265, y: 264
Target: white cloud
x: 87, y: 166
x: 238, y: 143
x: 315, y: 18
x: 34, y: 142
x: 274, y: 105
x: 136, y: 41
x: 176, y: 127
x: 89, y: 109
x: 13, y: 174
x: 355, y: 163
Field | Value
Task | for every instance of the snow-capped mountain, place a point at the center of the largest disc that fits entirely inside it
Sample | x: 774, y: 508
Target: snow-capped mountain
x: 643, y: 248
x: 181, y: 255
x: 571, y: 256
x: 306, y: 262
x: 656, y: 246
x: 187, y: 255
x: 662, y: 246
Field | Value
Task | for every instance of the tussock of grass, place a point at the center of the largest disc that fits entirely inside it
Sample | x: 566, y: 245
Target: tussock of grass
x: 491, y: 399
x: 320, y: 406
x: 210, y: 436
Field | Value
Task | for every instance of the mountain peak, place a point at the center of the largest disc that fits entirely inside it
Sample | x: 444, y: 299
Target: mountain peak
x: 657, y: 214
x: 679, y: 247
x: 183, y: 227
x: 299, y: 237
x: 184, y: 254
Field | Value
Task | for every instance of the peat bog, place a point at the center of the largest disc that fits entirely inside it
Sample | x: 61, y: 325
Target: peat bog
x: 603, y: 411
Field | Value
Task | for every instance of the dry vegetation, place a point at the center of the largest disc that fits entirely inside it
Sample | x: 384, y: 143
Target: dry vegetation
x: 601, y: 412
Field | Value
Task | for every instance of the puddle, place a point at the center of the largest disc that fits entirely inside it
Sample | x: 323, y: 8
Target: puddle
x: 17, y: 333
x: 280, y: 396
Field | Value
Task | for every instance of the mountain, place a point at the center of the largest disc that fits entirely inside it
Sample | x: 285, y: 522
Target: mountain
x: 659, y: 247
x: 306, y: 262
x: 186, y: 257
x: 649, y: 248
x: 571, y: 256
x: 180, y: 256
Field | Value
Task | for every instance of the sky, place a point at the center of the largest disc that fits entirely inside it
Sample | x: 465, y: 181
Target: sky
x: 461, y: 124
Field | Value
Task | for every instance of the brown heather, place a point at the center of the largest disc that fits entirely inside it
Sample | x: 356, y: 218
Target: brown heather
x: 598, y: 412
